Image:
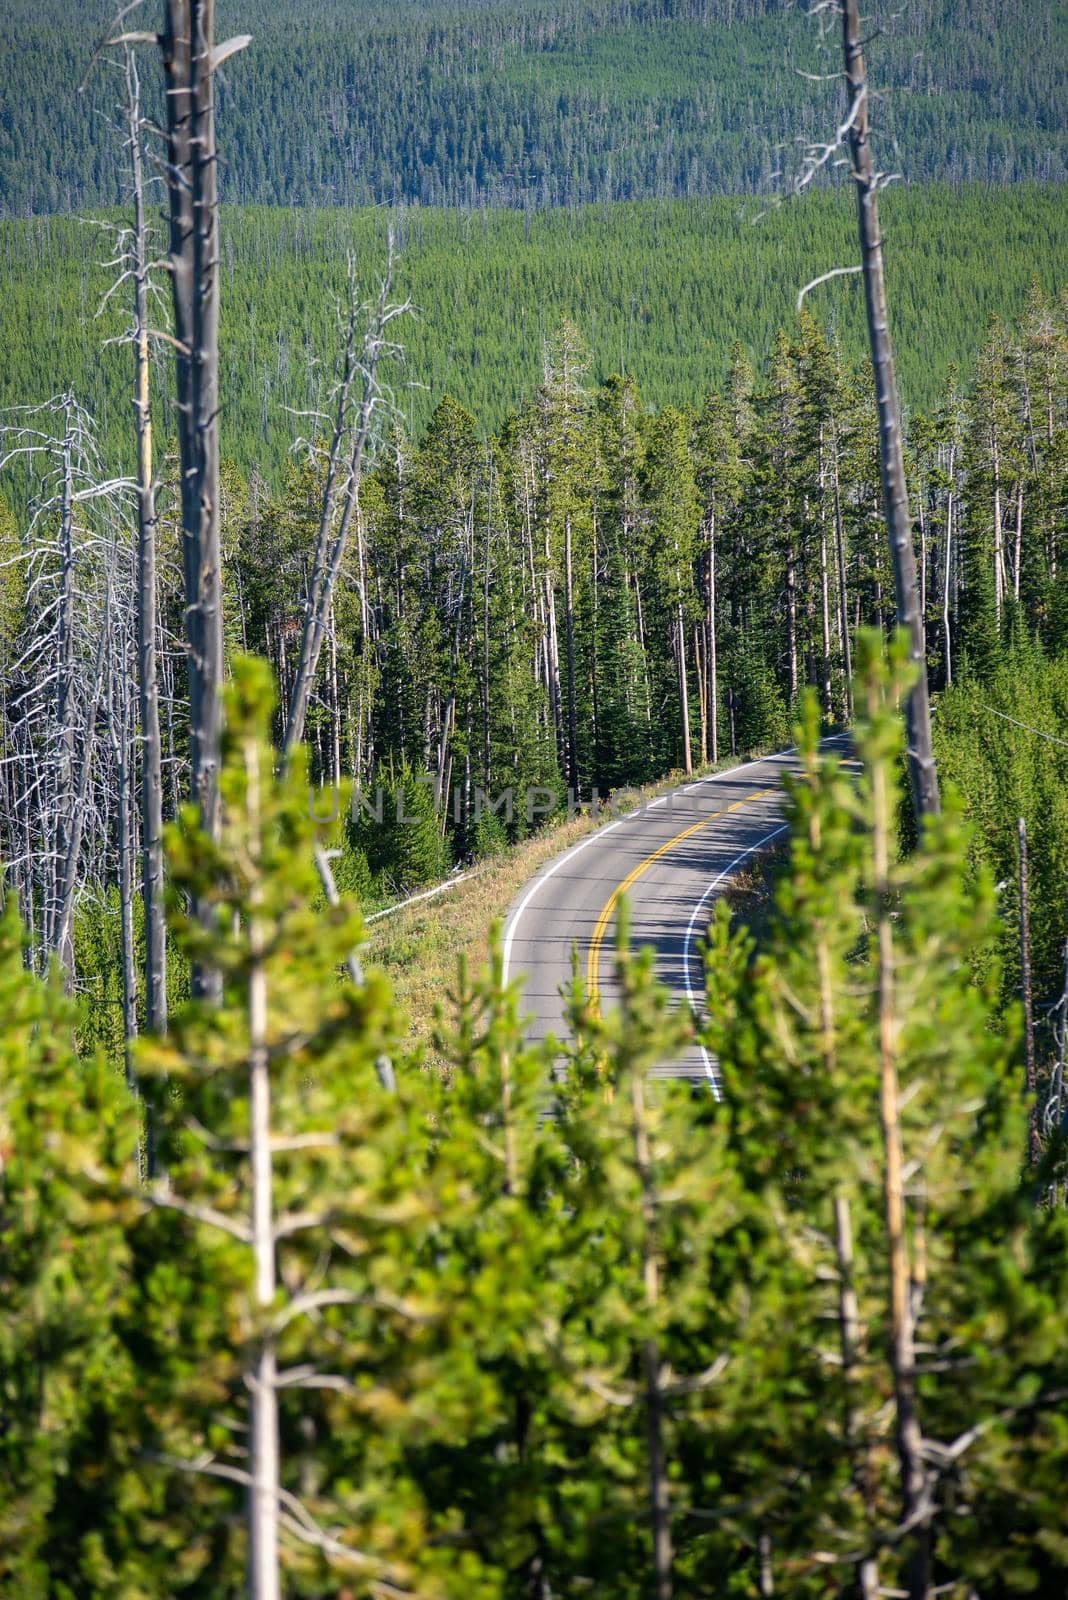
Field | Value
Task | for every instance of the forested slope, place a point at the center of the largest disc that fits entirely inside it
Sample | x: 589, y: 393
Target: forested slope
x: 660, y: 290
x: 498, y: 103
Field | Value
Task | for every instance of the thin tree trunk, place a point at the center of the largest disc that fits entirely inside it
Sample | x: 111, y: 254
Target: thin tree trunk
x: 147, y: 604
x: 999, y: 557
x: 595, y: 624
x: 189, y: 60
x: 332, y: 542
x: 843, y: 593
x: 702, y: 688
x: 119, y: 719
x: 948, y: 575
x: 659, y: 1498
x: 486, y: 642
x: 684, y: 689
x: 335, y: 705
x: 712, y: 676
x: 825, y: 593
x: 791, y: 620
x: 63, y: 803
x: 908, y: 1434
x: 849, y: 1342
x: 922, y: 516
x: 63, y: 931
x: 264, y: 1578
x: 569, y: 623
x: 767, y: 1570
x: 922, y: 767
x: 1034, y: 1146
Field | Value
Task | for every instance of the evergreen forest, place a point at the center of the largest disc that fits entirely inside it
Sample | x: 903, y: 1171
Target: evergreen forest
x: 427, y: 433
x: 489, y: 103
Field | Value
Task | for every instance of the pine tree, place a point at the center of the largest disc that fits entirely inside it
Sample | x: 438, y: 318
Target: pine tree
x: 292, y: 1215
x: 68, y: 1143
x: 671, y: 514
x: 881, y: 1117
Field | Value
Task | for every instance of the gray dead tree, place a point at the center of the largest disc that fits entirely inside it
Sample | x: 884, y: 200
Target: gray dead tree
x: 854, y: 135
x: 133, y: 266
x: 190, y: 61
x: 55, y: 764
x: 190, y: 168
x: 356, y: 401
x: 147, y: 599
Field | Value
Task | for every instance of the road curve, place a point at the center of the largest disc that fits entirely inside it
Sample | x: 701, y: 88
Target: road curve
x: 670, y: 858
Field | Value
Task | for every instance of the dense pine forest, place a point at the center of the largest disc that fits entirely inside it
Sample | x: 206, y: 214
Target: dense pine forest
x: 546, y: 459
x: 548, y: 104
x: 661, y: 291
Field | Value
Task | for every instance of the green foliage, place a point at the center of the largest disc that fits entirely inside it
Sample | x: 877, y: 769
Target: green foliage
x: 1007, y: 769
x: 661, y: 289
x: 760, y: 717
x: 487, y: 102
x: 857, y: 1026
x: 68, y: 1139
x: 347, y: 1163
x: 505, y: 1337
x: 405, y: 848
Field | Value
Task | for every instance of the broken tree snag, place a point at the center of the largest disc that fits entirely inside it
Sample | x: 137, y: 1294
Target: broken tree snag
x: 189, y: 62
x: 922, y: 770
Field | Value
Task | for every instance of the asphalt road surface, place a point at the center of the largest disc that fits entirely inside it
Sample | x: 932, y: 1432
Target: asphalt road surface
x: 670, y: 858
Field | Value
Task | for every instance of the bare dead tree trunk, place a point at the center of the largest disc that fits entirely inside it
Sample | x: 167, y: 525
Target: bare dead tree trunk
x: 190, y: 60
x: 63, y: 932
x: 335, y: 707
x: 843, y: 592
x: 999, y: 536
x: 791, y: 620
x: 922, y: 769
x: 684, y: 688
x: 947, y: 577
x: 825, y: 586
x: 1017, y: 544
x: 1034, y: 1145
x: 147, y: 617
x: 333, y: 536
x: 65, y: 806
x: 121, y: 733
x: 767, y: 1571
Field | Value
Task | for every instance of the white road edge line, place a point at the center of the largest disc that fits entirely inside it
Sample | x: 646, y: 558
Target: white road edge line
x: 688, y: 950
x: 599, y: 833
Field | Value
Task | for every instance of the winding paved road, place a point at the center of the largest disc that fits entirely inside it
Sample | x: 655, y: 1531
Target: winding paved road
x: 670, y: 857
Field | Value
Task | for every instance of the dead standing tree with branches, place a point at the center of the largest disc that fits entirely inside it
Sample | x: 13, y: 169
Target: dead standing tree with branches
x: 854, y: 135
x: 73, y: 557
x: 357, y: 398
x: 134, y: 267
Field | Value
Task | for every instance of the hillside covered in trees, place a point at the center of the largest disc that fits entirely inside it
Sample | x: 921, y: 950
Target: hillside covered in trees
x: 597, y: 594
x: 431, y: 102
x: 661, y: 291
x: 303, y: 602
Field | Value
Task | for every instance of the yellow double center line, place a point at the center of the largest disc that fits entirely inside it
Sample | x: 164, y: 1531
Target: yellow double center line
x: 593, y: 958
